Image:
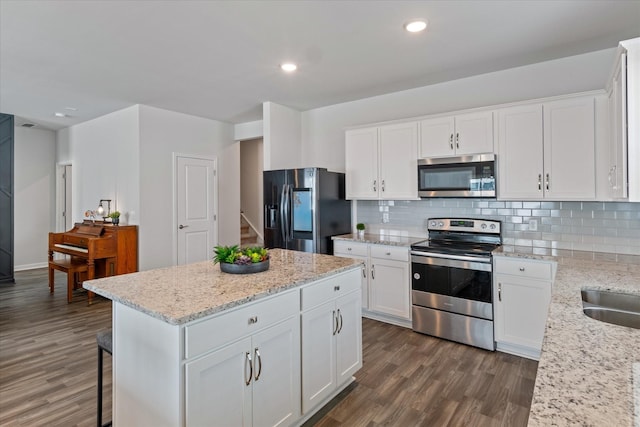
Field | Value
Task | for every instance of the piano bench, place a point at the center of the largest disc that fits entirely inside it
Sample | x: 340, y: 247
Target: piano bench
x: 72, y: 267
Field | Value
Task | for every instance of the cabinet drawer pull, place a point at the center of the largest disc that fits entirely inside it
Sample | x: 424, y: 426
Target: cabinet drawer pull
x: 348, y: 249
x: 258, y: 359
x: 247, y: 361
x: 336, y: 288
x: 388, y: 253
x: 253, y: 319
x: 521, y: 268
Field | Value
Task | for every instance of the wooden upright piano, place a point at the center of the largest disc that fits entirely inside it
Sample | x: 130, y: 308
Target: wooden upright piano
x: 108, y: 249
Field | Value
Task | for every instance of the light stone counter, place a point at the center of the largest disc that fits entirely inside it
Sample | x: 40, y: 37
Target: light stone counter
x: 184, y: 293
x: 585, y: 372
x: 380, y: 239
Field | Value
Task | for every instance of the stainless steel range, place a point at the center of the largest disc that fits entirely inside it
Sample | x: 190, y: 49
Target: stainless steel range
x: 451, y: 285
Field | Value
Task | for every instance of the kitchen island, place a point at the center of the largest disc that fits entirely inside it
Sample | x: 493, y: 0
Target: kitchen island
x: 194, y: 346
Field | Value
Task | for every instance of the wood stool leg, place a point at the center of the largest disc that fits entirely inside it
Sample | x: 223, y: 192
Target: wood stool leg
x: 51, y: 284
x: 70, y: 280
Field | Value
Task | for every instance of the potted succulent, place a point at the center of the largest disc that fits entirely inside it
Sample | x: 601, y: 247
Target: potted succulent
x: 115, y: 217
x: 235, y: 260
x: 360, y: 228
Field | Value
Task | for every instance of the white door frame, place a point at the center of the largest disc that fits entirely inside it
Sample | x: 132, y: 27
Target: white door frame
x: 62, y: 222
x: 174, y: 162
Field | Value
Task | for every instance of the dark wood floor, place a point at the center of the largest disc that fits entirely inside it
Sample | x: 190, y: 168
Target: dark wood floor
x: 48, y: 368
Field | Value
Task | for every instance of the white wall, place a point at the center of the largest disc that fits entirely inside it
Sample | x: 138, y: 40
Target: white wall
x: 251, y: 161
x: 104, y: 155
x: 323, y: 128
x: 248, y: 130
x: 34, y: 203
x: 282, y: 137
x: 163, y: 133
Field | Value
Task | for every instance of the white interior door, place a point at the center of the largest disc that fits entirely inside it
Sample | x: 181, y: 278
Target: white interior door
x: 196, y: 208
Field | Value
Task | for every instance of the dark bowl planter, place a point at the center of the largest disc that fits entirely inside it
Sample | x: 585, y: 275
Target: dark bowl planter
x: 244, y: 268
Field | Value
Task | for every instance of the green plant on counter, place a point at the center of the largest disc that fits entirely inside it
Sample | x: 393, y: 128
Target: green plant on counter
x: 235, y: 255
x: 114, y: 215
x: 360, y: 226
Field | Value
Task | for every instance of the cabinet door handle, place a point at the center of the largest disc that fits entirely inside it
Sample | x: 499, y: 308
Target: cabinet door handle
x: 247, y: 361
x: 457, y: 140
x: 340, y: 323
x: 382, y: 185
x: 258, y: 359
x: 373, y: 272
x: 539, y: 182
x: 451, y: 141
x: 182, y: 226
x: 335, y: 322
x: 548, y: 182
x: 364, y: 272
x: 500, y: 292
x: 375, y: 185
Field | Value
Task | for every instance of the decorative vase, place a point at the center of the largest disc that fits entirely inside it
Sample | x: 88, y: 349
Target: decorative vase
x: 256, y: 267
x: 360, y: 234
x: 115, y: 221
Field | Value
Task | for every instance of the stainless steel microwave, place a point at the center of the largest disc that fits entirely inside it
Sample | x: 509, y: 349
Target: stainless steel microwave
x: 465, y: 176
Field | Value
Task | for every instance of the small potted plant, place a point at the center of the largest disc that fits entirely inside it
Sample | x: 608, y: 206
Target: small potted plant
x: 115, y: 217
x: 234, y: 260
x: 360, y: 228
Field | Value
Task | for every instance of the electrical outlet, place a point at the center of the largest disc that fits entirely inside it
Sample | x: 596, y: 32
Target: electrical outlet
x: 533, y: 225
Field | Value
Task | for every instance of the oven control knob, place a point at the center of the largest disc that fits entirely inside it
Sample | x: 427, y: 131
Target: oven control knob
x: 492, y: 226
x: 483, y: 226
x: 416, y: 276
x: 441, y: 224
x: 433, y: 224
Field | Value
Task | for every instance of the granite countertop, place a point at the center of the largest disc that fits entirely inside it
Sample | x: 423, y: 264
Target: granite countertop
x: 380, y: 239
x: 585, y: 373
x: 184, y: 293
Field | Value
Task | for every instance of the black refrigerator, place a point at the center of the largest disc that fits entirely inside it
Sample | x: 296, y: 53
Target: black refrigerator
x: 303, y: 208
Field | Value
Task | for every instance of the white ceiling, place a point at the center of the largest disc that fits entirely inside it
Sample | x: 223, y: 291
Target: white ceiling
x: 219, y: 59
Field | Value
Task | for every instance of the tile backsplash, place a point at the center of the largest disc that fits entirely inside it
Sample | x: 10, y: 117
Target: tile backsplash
x: 612, y: 227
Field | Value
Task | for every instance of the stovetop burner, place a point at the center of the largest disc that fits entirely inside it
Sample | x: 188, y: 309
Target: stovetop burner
x: 467, y: 237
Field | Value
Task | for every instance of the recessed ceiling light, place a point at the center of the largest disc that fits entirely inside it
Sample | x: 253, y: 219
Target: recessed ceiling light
x: 61, y: 115
x: 288, y: 67
x: 415, y: 26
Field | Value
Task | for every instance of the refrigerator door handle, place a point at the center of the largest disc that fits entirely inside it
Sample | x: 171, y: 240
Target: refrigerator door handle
x: 288, y: 230
x: 282, y: 214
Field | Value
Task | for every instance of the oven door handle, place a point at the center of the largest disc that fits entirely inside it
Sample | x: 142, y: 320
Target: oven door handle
x: 455, y: 261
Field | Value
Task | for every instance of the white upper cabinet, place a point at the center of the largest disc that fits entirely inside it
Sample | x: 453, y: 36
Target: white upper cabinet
x: 547, y: 151
x: 618, y: 176
x: 381, y: 162
x: 520, y: 152
x: 457, y: 135
x: 569, y: 149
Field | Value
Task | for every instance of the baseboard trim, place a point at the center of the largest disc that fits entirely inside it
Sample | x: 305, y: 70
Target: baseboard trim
x: 386, y: 318
x: 33, y: 266
x: 518, y: 350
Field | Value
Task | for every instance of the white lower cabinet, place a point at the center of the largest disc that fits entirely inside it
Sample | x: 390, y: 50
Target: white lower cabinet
x: 522, y: 292
x: 331, y: 339
x: 254, y: 381
x: 386, y: 286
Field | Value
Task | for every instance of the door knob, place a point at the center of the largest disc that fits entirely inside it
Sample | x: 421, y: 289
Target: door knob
x: 182, y: 226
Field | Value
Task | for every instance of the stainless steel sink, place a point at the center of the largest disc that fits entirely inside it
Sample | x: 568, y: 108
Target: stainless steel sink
x: 612, y: 307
